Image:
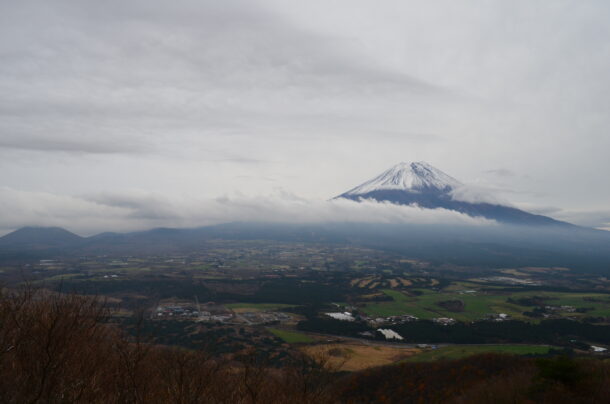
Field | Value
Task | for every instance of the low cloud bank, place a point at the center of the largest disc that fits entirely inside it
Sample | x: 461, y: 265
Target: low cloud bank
x: 477, y: 194
x: 133, y: 211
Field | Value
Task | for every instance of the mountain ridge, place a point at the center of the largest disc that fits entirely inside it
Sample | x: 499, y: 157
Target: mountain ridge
x: 40, y: 237
x: 500, y: 246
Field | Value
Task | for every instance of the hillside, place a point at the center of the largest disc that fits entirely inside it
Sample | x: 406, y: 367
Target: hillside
x: 39, y: 238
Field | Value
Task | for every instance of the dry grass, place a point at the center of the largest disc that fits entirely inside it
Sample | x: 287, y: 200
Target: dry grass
x: 364, y: 282
x: 544, y: 269
x: 354, y: 356
x: 241, y: 310
x: 513, y: 272
x: 405, y: 282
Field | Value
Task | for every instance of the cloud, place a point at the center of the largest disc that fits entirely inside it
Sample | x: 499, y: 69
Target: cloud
x: 501, y: 172
x: 72, y: 145
x: 140, y: 210
x: 599, y: 219
x: 477, y: 194
x: 142, y: 72
x: 292, y: 209
x: 205, y: 97
x: 22, y: 208
x: 595, y: 218
x: 139, y: 206
x: 540, y: 210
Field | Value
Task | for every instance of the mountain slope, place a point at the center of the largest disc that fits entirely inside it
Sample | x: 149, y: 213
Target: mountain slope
x: 421, y: 184
x: 40, y: 237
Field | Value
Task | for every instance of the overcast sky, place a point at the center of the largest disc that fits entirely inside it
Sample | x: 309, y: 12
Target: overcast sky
x: 121, y: 115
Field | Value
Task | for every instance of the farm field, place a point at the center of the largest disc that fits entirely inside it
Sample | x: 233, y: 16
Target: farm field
x: 598, y: 303
x: 307, y: 281
x: 462, y: 351
x: 479, y: 304
x: 291, y: 337
x: 402, y: 304
x: 354, y: 357
x: 426, y: 306
x: 244, y: 307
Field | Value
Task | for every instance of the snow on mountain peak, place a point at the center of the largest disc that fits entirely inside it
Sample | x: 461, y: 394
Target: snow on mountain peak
x: 412, y: 177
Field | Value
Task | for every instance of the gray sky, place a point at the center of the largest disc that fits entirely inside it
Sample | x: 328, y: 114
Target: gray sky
x: 122, y: 115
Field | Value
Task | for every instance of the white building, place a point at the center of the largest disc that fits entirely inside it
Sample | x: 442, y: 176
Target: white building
x: 346, y: 316
x: 389, y: 334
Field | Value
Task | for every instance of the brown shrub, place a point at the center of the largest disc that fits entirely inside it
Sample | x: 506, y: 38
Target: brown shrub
x: 60, y: 349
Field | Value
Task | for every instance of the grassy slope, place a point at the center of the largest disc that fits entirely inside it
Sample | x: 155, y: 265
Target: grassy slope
x: 291, y: 337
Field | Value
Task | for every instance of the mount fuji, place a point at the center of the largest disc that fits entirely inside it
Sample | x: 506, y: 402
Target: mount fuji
x: 520, y: 239
x: 423, y: 185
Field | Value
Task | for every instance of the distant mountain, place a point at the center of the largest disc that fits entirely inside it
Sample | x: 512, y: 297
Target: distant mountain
x: 423, y: 185
x: 545, y: 242
x: 499, y: 246
x: 39, y: 238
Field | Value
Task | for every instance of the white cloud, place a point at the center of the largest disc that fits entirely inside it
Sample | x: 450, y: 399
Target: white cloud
x: 207, y: 97
x: 139, y: 211
x: 599, y: 219
x: 477, y: 194
x: 21, y: 208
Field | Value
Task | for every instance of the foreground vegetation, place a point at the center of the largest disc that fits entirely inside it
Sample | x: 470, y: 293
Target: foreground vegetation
x: 59, y: 348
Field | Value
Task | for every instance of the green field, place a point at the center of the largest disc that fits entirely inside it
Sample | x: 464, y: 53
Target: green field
x: 402, y: 304
x: 258, y: 306
x: 61, y: 277
x: 119, y: 270
x: 462, y: 351
x: 292, y: 337
x: 599, y: 308
x: 479, y: 304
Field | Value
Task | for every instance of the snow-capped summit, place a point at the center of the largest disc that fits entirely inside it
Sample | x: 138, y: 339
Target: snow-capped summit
x: 427, y: 187
x: 414, y: 177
